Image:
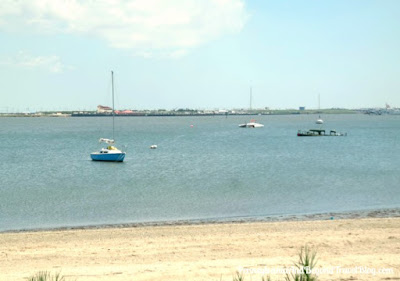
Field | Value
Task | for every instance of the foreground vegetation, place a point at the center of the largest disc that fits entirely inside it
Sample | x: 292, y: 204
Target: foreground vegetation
x: 46, y: 276
x: 305, y: 265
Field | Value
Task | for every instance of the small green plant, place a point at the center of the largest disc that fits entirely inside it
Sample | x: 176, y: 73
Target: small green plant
x: 305, y: 265
x: 46, y: 276
x: 238, y: 277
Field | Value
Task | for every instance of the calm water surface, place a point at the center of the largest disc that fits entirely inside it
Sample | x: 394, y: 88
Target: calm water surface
x: 213, y: 170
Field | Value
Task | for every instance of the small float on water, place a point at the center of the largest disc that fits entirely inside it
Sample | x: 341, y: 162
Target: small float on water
x: 319, y: 133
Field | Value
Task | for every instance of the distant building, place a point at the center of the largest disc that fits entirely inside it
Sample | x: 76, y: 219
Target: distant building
x: 127, y: 111
x: 104, y: 109
x: 302, y: 108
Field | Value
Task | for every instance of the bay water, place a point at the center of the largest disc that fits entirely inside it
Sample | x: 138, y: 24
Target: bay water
x: 205, y: 168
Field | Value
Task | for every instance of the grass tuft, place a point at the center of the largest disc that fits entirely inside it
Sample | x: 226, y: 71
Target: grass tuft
x: 238, y: 277
x: 46, y: 276
x: 305, y: 265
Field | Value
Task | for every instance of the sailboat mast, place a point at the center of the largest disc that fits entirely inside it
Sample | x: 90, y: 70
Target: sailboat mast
x: 319, y: 102
x: 112, y: 89
x: 251, y: 97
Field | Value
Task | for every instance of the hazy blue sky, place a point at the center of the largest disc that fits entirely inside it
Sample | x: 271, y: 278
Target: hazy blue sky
x: 58, y: 54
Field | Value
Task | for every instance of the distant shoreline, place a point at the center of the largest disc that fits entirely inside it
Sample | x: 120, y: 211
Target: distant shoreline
x: 372, y: 213
x: 182, y: 113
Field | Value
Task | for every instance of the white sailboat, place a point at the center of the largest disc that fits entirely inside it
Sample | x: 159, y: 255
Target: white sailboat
x: 252, y: 123
x: 319, y: 120
x: 109, y: 153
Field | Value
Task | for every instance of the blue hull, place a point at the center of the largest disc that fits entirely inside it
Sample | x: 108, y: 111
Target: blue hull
x: 110, y: 157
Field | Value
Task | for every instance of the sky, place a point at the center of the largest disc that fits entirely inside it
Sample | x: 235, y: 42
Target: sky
x: 203, y: 54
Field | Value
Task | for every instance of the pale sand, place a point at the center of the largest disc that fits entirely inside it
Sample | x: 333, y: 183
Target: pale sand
x: 202, y: 252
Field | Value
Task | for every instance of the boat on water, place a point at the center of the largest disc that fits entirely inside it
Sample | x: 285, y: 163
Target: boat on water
x: 319, y: 121
x: 109, y: 153
x: 251, y: 124
x: 319, y: 133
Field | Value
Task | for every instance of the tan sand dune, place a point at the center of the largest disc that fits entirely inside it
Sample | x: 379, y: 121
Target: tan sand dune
x: 204, y: 252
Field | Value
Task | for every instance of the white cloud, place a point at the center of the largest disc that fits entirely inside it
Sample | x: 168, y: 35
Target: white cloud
x: 145, y: 26
x: 25, y: 60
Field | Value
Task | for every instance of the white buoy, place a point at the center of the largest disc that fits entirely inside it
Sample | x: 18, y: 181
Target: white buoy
x: 154, y: 146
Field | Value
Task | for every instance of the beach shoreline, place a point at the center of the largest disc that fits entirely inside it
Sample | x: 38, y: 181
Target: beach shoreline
x: 213, y: 251
x: 359, y: 214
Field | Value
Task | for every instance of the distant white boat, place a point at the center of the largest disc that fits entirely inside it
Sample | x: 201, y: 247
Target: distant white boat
x: 319, y: 120
x: 251, y: 124
x: 392, y: 111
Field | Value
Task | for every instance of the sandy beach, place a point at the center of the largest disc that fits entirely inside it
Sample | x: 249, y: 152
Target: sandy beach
x: 360, y: 248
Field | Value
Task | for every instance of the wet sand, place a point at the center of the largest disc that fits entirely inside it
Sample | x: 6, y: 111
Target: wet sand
x: 205, y: 251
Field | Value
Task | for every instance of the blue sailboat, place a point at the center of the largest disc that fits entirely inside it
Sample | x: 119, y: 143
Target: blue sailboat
x: 109, y: 153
